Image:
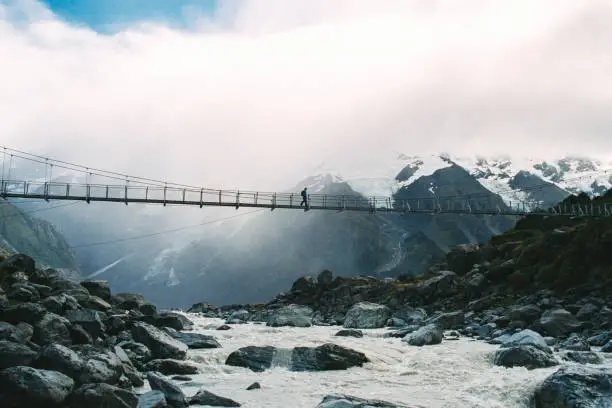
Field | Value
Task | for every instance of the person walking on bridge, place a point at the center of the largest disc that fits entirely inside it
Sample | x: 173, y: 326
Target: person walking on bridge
x: 304, y: 197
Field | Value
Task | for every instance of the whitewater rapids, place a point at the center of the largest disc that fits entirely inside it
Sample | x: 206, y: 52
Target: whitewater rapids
x: 454, y: 374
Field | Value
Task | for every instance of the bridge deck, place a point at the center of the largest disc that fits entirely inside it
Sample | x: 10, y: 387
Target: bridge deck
x: 227, y: 198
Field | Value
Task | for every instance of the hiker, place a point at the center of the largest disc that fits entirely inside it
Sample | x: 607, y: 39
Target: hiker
x: 304, y: 194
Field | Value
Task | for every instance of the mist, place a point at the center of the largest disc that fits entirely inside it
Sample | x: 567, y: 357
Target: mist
x: 258, y: 95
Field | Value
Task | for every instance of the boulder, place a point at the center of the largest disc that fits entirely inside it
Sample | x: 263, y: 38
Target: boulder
x: 174, y: 320
x: 127, y: 301
x: 193, y: 340
x: 90, y: 320
x: 347, y: 401
x: 60, y: 358
x: 444, y: 283
x: 239, y: 316
x: 207, y: 398
x: 101, y: 365
x: 254, y: 386
x: 98, y: 288
x: 152, y: 399
x: 138, y: 353
x: 29, y: 387
x: 52, y: 329
x: 256, y: 358
x: 558, y: 322
x: 525, y: 337
x: 172, y: 392
x: 426, y: 335
x: 325, y: 278
x: 448, y: 321
x: 102, y: 395
x: 15, y: 354
x: 25, y: 312
x: 576, y: 387
x: 350, y: 333
x: 304, y: 284
x: 366, y: 315
x: 575, y: 343
x: 160, y: 343
x: 148, y: 309
x: 169, y: 366
x: 528, y: 356
x: 607, y: 348
x: 582, y: 357
x: 292, y: 315
x: 17, y: 333
x: 326, y: 357
x: 60, y: 304
x: 600, y: 339
x: 527, y: 314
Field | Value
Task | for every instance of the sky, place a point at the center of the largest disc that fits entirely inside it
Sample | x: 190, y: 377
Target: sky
x: 255, y: 94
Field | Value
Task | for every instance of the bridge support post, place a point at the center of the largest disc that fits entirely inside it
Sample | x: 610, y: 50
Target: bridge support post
x: 237, y: 199
x: 273, y: 202
x: 46, y: 191
x: 201, y: 197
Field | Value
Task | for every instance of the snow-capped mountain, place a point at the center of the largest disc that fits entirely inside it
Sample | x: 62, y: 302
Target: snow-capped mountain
x: 525, y: 180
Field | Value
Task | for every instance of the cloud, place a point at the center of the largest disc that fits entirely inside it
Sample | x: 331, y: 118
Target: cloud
x: 257, y: 96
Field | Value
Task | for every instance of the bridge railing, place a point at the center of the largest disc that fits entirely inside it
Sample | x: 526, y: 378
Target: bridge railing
x: 174, y: 195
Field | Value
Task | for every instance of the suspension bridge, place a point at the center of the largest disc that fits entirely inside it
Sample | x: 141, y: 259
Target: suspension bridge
x: 26, y: 182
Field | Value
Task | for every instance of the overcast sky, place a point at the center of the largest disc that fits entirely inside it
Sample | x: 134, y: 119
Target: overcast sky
x: 257, y: 94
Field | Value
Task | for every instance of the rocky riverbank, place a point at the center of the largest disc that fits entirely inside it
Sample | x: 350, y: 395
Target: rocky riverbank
x: 72, y: 344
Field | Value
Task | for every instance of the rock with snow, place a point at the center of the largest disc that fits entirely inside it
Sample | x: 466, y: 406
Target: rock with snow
x: 426, y: 335
x: 366, y: 315
x: 292, y: 315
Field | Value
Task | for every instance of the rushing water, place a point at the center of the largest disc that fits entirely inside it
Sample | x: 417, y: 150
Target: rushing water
x: 452, y: 374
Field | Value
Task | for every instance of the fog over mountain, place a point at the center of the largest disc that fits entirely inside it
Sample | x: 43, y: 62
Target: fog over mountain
x: 347, y: 96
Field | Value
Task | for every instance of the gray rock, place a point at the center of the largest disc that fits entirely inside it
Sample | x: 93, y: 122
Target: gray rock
x: 101, y: 365
x: 94, y: 303
x: 347, y: 401
x: 25, y: 312
x: 102, y: 396
x: 60, y: 358
x: 17, y: 334
x: 366, y: 315
x: 607, y: 348
x: 582, y: 357
x: 127, y: 301
x: 207, y: 398
x: 193, y: 340
x: 172, y: 392
x: 138, y: 353
x: 426, y: 335
x: 129, y: 370
x: 174, y: 320
x: 152, y: 399
x: 60, y: 304
x: 52, y: 329
x: 443, y: 284
x: 326, y: 357
x: 527, y: 313
x: 28, y: 387
x: 292, y: 315
x: 528, y: 356
x: 525, y: 337
x: 161, y: 344
x: 256, y: 358
x: 148, y: 309
x: 559, y: 322
x: 170, y: 366
x: 350, y: 333
x: 15, y: 354
x: 575, y: 343
x: 576, y: 387
x: 587, y: 312
x: 240, y: 316
x: 254, y: 386
x: 447, y: 321
x: 325, y: 278
x: 600, y: 339
x: 98, y: 288
x: 88, y: 319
